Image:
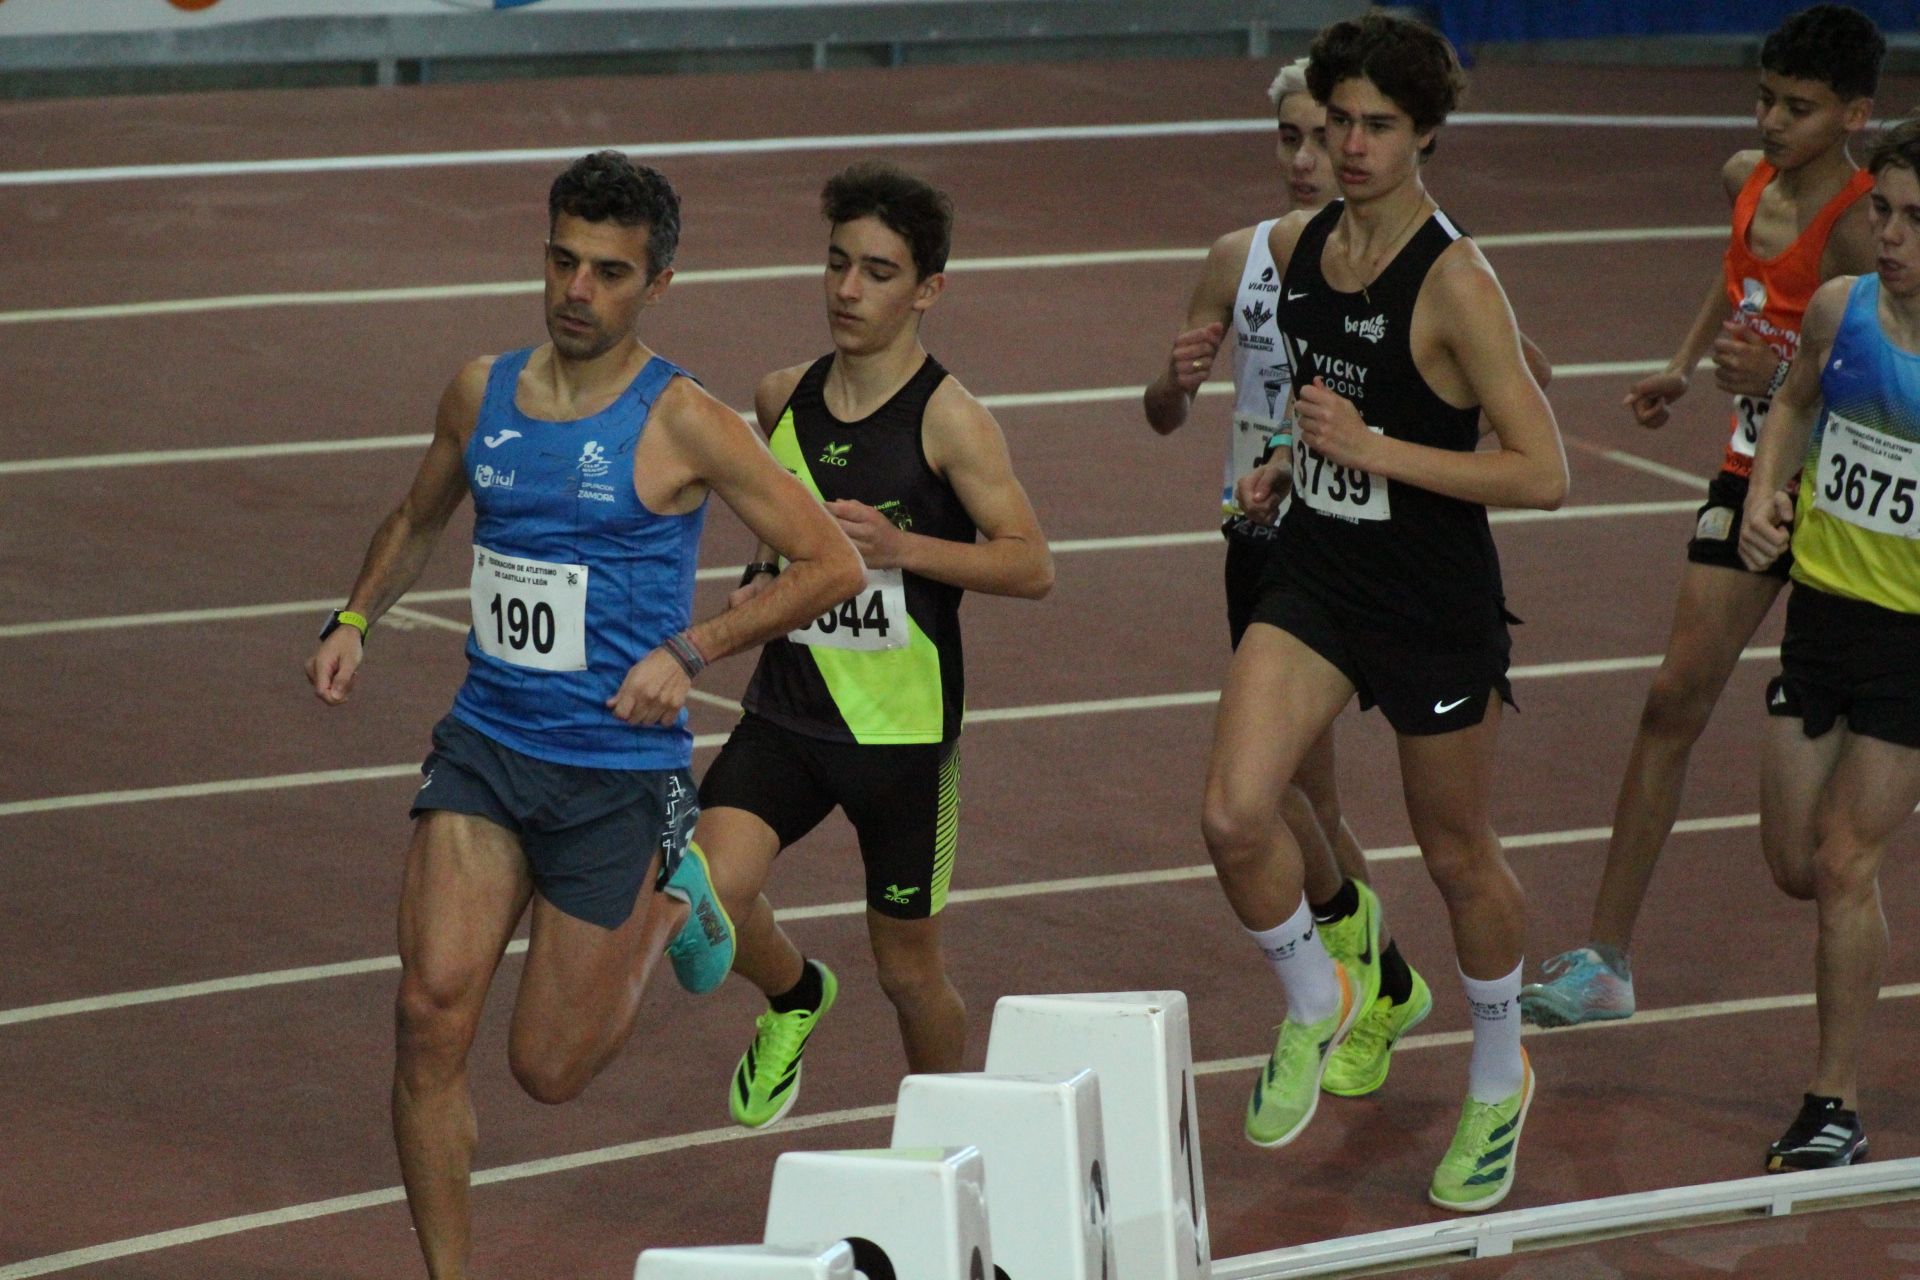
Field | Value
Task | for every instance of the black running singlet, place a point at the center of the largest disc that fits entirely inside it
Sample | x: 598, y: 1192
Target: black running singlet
x: 1396, y: 557
x: 885, y: 666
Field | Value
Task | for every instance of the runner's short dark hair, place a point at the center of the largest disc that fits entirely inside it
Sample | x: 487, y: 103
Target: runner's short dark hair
x: 1410, y: 62
x: 912, y: 208
x: 1898, y: 146
x: 605, y: 186
x: 1834, y: 44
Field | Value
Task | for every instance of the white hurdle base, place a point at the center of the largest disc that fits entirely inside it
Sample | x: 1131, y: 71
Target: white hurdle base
x: 1137, y: 1043
x: 1495, y: 1234
x: 925, y: 1208
x: 746, y: 1262
x: 1047, y: 1173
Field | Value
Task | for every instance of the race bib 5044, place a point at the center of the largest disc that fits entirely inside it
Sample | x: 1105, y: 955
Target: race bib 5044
x: 876, y: 618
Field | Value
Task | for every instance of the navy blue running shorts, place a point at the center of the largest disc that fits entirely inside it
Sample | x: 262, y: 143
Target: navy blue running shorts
x: 588, y: 834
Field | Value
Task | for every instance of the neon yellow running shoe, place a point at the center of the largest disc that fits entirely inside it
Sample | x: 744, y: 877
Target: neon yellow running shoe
x: 1477, y: 1171
x: 1288, y: 1088
x: 1354, y: 941
x: 766, y: 1084
x: 1359, y: 1065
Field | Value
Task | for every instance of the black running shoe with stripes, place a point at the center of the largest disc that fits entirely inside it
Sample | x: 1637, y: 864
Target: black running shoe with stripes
x: 1824, y: 1135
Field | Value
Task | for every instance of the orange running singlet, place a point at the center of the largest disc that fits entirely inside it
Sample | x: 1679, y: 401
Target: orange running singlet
x: 1771, y: 294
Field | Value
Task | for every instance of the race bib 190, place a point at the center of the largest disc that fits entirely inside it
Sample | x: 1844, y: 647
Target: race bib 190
x: 1869, y: 480
x: 529, y: 612
x: 1334, y: 490
x: 874, y: 619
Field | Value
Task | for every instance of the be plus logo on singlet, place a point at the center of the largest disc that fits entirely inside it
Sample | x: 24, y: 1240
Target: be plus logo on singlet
x: 1372, y: 330
x: 896, y: 511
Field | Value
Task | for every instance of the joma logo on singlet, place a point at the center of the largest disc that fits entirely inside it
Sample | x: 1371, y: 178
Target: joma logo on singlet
x: 836, y: 454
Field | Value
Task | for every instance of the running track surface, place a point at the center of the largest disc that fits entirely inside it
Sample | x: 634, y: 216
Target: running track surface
x: 144, y: 1118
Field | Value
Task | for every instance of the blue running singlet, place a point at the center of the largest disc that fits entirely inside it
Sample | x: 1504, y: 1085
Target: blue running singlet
x: 574, y: 580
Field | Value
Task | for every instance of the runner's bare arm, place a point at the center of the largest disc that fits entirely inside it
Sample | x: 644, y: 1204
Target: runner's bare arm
x: 1474, y: 331
x: 769, y: 402
x: 1767, y: 523
x: 822, y: 566
x: 964, y: 445
x: 1648, y: 398
x: 402, y: 544
x: 1209, y: 316
x: 1537, y: 363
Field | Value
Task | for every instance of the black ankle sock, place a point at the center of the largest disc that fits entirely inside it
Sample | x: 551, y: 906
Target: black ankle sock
x: 1341, y: 905
x: 805, y: 995
x: 1396, y: 979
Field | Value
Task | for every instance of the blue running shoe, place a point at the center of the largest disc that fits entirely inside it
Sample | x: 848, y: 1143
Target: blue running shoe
x: 1591, y: 984
x: 702, y: 952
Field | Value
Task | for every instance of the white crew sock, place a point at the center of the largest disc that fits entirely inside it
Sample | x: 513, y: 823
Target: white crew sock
x: 1300, y: 960
x: 1495, y: 1072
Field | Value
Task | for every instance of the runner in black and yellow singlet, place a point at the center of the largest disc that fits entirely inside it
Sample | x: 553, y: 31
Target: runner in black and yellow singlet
x: 861, y: 708
x: 884, y: 667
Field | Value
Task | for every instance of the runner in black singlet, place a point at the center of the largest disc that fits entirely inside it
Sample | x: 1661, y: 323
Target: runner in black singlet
x: 1390, y: 587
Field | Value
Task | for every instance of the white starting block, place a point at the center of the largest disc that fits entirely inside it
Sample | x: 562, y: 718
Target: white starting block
x: 918, y: 1214
x: 1046, y: 1164
x: 747, y: 1262
x: 1138, y: 1045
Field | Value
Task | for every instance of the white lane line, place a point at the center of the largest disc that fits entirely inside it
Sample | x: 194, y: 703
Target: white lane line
x: 751, y: 275
x: 673, y: 1143
x: 425, y: 619
x: 817, y: 911
x: 1040, y: 711
x: 1652, y: 468
x: 1066, y: 546
x: 654, y: 151
x: 362, y: 444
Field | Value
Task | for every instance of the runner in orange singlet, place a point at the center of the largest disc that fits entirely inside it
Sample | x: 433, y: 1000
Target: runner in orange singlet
x: 1798, y: 220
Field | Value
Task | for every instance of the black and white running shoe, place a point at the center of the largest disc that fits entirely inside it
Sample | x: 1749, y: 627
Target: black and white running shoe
x: 1823, y: 1136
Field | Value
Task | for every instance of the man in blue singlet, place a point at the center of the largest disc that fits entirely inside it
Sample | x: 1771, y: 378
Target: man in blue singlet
x: 560, y: 776
x: 1840, y: 762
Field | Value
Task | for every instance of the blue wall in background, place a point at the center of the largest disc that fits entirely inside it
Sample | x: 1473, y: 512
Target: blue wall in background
x: 1468, y: 22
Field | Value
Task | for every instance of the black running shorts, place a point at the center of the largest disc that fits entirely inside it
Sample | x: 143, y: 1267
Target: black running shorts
x: 1847, y: 658
x: 1716, y: 529
x: 1249, y: 546
x: 588, y: 834
x: 902, y: 799
x: 1422, y: 690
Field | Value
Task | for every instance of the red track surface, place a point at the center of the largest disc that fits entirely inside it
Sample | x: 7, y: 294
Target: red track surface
x: 136, y: 1120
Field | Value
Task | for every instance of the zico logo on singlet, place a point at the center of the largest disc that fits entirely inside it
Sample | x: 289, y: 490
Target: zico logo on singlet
x: 836, y: 454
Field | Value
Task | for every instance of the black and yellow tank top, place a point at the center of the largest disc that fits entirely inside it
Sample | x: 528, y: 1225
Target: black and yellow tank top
x: 884, y: 666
